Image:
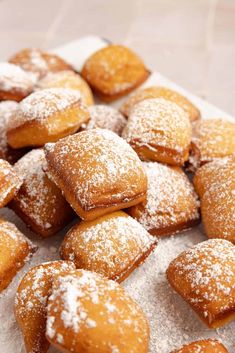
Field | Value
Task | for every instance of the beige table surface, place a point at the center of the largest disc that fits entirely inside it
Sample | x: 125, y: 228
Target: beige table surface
x: 190, y: 41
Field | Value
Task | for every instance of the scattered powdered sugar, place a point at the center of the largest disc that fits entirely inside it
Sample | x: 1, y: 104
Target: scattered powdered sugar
x: 14, y: 78
x: 7, y: 110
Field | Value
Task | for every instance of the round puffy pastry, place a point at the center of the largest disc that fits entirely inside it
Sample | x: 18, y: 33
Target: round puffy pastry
x: 105, y: 117
x: 39, y: 202
x: 31, y: 303
x: 87, y: 310
x: 112, y: 245
x: 215, y: 184
x: 171, y: 205
x: 212, y: 138
x: 10, y: 183
x: 15, y: 251
x: 38, y: 63
x: 205, y: 277
x: 159, y: 130
x: 160, y: 92
x: 15, y: 83
x: 203, y: 346
x: 114, y: 71
x: 46, y: 116
x: 70, y: 80
x: 97, y: 171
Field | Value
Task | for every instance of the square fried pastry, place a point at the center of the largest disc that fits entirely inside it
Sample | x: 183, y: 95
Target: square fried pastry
x: 112, y: 245
x: 205, y: 278
x: 159, y: 130
x: 46, y: 116
x: 15, y: 250
x: 203, y: 346
x: 39, y: 202
x: 10, y: 183
x: 97, y: 171
x: 171, y: 205
x: 114, y: 71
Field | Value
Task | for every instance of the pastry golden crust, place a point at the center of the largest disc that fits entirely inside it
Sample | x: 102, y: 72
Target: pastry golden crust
x: 205, y: 277
x: 160, y: 92
x: 172, y: 204
x: 212, y: 138
x: 15, y: 83
x: 114, y: 71
x: 31, y: 303
x: 87, y: 310
x: 38, y: 63
x: 203, y: 346
x: 46, y: 116
x: 159, y: 130
x: 15, y: 251
x: 97, y: 171
x: 70, y: 80
x: 105, y: 117
x: 10, y: 183
x: 39, y: 202
x: 112, y: 245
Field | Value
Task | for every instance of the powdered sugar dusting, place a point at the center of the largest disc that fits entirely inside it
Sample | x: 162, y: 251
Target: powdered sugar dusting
x: 14, y: 78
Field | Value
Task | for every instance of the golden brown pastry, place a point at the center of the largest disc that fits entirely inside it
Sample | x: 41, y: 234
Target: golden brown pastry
x: 212, y: 138
x: 97, y: 171
x: 215, y: 184
x: 38, y: 63
x: 112, y: 245
x: 70, y: 80
x: 15, y: 251
x: 159, y: 130
x: 172, y: 204
x: 105, y: 117
x: 114, y: 71
x: 46, y: 116
x: 203, y: 346
x: 15, y: 83
x: 87, y: 311
x: 39, y: 202
x: 10, y: 183
x: 31, y: 303
x: 160, y: 92
x: 205, y: 277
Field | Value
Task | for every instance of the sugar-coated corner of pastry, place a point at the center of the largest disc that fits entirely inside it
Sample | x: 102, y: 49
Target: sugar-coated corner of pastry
x: 112, y: 245
x: 46, y: 116
x: 159, y: 130
x: 10, y: 183
x: 97, y: 171
x: 31, y: 303
x: 160, y: 92
x: 15, y: 251
x: 171, y: 205
x: 114, y: 71
x: 39, y: 202
x: 203, y: 346
x: 205, y: 278
x: 88, y: 310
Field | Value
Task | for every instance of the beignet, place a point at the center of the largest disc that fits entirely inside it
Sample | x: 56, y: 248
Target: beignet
x: 46, y: 116
x: 91, y: 313
x: 15, y: 83
x: 160, y: 92
x: 159, y: 130
x: 205, y: 277
x: 10, y: 183
x: 70, y: 80
x: 203, y: 346
x: 15, y: 251
x: 112, y: 245
x: 114, y: 71
x: 105, y: 117
x: 97, y: 171
x: 31, y: 303
x: 38, y: 63
x: 172, y: 204
x: 39, y: 202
